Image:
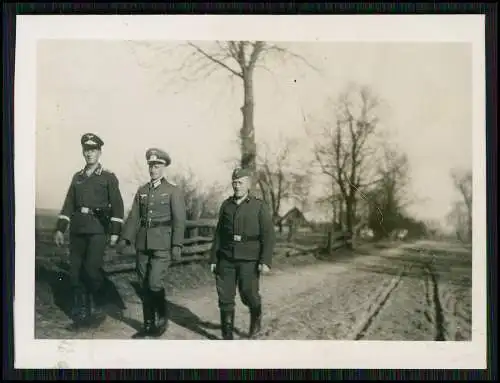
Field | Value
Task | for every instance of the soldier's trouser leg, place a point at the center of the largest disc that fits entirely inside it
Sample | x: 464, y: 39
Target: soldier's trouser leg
x: 148, y: 310
x: 94, y: 259
x: 226, y: 277
x: 78, y: 249
x: 160, y: 262
x: 248, y: 287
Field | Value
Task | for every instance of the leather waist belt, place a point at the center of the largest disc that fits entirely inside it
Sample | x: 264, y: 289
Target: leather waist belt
x: 88, y: 210
x: 244, y: 238
x: 147, y: 223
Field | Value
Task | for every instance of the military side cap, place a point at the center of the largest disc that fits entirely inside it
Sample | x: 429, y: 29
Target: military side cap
x: 158, y: 156
x: 240, y: 173
x: 90, y: 140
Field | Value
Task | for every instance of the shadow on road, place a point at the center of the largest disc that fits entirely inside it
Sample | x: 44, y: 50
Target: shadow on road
x: 54, y: 284
x: 58, y: 281
x: 184, y: 317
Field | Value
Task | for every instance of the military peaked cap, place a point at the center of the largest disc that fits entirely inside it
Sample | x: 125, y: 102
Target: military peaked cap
x: 240, y: 173
x: 155, y: 155
x: 90, y: 140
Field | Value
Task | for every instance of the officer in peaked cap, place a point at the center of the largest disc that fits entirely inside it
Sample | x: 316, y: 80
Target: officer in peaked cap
x: 90, y: 141
x: 242, y: 249
x: 155, y: 226
x: 93, y: 209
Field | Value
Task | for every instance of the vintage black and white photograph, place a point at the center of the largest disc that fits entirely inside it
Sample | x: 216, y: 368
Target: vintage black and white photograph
x: 240, y: 182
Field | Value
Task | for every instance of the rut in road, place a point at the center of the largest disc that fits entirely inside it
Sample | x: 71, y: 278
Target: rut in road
x: 437, y: 316
x: 279, y: 290
x: 380, y: 300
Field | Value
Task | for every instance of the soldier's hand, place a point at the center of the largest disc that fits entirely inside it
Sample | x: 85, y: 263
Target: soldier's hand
x: 176, y: 253
x: 59, y: 238
x: 213, y: 267
x: 113, y: 239
x: 263, y: 268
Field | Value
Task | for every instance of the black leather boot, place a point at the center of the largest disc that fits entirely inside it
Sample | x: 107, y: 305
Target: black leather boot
x: 162, y: 311
x: 148, y: 312
x: 78, y: 310
x: 227, y: 324
x: 255, y: 321
x: 95, y: 314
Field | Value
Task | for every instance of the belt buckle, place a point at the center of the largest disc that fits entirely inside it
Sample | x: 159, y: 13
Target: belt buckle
x: 237, y: 238
x: 85, y: 210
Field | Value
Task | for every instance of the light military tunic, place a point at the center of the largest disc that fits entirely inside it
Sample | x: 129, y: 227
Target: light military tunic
x: 157, y: 218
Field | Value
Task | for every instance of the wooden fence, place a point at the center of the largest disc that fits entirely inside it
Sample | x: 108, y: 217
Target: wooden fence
x: 197, y: 243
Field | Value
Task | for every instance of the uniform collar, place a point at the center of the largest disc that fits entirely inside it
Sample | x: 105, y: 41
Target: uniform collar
x: 155, y: 184
x: 241, y: 200
x: 97, y: 170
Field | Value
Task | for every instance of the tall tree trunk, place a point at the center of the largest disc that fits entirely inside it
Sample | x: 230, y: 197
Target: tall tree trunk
x: 349, y: 220
x: 247, y: 132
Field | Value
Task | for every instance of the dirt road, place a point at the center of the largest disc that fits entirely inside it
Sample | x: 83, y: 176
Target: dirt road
x: 399, y: 294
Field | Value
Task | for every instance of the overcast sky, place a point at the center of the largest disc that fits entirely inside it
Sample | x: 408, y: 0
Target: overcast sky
x: 118, y: 91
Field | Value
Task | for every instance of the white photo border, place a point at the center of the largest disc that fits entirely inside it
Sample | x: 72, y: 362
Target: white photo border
x: 34, y: 353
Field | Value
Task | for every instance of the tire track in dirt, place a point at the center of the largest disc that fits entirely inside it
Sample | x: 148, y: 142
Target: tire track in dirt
x: 405, y: 310
x: 435, y: 307
x: 321, y: 301
x: 326, y: 311
x: 380, y: 300
x: 329, y: 310
x: 458, y: 315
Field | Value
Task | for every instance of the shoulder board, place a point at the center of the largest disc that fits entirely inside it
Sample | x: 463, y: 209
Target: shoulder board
x: 171, y: 183
x: 107, y: 171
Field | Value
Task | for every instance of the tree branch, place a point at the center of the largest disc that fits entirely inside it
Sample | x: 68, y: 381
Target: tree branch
x: 215, y: 60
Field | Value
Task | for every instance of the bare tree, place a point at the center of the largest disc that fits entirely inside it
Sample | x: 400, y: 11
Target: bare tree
x: 344, y: 151
x: 462, y: 180
x: 388, y: 198
x: 280, y: 178
x: 239, y: 59
x: 458, y: 219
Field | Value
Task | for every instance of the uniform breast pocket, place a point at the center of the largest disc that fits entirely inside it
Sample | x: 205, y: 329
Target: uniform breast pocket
x: 101, y: 190
x: 164, y: 199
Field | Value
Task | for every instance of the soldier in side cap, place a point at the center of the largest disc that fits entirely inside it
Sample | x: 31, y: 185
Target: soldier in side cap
x: 93, y: 209
x: 156, y: 225
x: 242, y: 249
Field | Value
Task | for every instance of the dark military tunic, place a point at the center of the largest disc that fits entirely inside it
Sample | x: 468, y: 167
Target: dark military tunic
x: 155, y: 224
x: 244, y: 238
x: 244, y: 232
x: 93, y: 208
x: 93, y: 204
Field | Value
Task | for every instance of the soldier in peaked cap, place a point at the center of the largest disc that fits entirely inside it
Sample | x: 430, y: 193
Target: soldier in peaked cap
x: 155, y: 226
x: 242, y: 249
x: 93, y: 209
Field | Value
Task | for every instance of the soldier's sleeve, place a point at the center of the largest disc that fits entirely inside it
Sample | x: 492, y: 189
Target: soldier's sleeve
x: 68, y: 208
x: 131, y: 225
x: 216, y: 238
x: 267, y: 234
x: 116, y: 201
x: 178, y: 210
